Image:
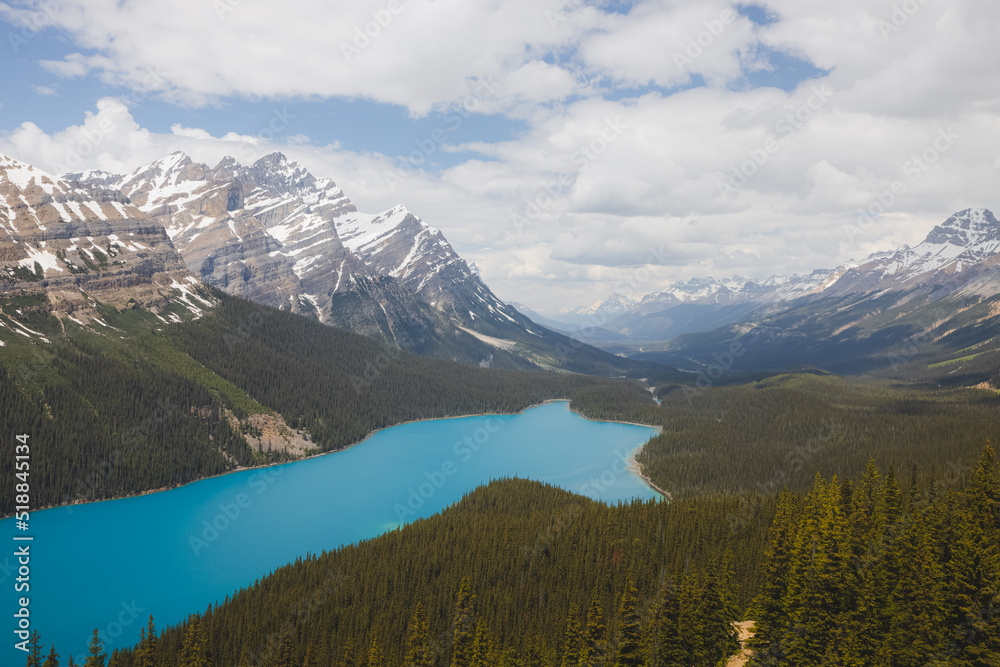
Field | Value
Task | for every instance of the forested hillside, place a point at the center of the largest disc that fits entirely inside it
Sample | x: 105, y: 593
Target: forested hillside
x: 760, y: 436
x: 517, y: 573
x: 864, y: 572
x: 141, y: 405
x: 874, y: 573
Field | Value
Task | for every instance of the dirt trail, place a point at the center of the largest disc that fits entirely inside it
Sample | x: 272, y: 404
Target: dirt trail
x: 740, y: 658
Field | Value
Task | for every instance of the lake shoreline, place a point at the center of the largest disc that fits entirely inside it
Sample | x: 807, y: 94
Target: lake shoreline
x: 636, y: 469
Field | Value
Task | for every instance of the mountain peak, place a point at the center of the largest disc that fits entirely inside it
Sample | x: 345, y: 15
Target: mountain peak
x: 274, y: 170
x: 21, y: 174
x: 966, y: 228
x: 276, y: 158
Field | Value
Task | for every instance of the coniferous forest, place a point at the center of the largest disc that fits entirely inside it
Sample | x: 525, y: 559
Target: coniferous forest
x: 871, y: 571
x: 853, y: 521
x: 157, y: 406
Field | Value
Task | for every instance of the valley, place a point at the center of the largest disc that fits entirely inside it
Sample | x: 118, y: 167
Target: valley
x: 180, y: 339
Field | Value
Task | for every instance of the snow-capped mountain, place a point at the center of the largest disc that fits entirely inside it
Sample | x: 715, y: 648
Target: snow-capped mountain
x: 608, y: 308
x: 274, y: 233
x: 920, y: 308
x: 959, y: 255
x: 84, y: 243
x: 955, y: 255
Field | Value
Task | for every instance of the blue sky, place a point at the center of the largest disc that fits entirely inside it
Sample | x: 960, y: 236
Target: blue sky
x: 518, y: 94
x: 355, y: 123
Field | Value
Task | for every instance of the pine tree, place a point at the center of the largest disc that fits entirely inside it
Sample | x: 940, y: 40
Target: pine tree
x: 973, y: 574
x: 96, y: 656
x: 595, y: 635
x: 769, y: 606
x: 985, y: 492
x: 346, y: 655
x: 533, y: 653
x: 917, y: 603
x: 893, y: 497
x: 572, y: 640
x: 418, y: 650
x: 145, y: 653
x: 310, y: 660
x: 34, y: 650
x: 53, y: 659
x: 671, y: 650
x: 375, y: 656
x: 286, y: 650
x: 193, y: 650
x: 714, y: 633
x: 482, y: 646
x: 463, y: 626
x: 629, y: 651
x: 70, y: 663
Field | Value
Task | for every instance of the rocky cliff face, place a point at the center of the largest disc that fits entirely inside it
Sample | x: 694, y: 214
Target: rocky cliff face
x: 274, y: 233
x: 82, y: 243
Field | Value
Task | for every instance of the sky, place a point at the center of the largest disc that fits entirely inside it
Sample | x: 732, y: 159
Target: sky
x: 569, y: 148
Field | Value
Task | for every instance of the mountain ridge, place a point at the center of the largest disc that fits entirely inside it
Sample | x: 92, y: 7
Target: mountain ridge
x: 274, y: 233
x: 957, y: 255
x: 85, y: 245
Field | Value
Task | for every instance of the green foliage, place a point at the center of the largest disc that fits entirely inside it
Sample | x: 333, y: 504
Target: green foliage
x: 496, y: 583
x: 153, y: 406
x: 896, y: 582
x: 763, y: 436
x: 95, y: 652
x: 628, y: 652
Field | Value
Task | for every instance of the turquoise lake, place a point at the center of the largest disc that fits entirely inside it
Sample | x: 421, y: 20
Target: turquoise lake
x: 110, y: 564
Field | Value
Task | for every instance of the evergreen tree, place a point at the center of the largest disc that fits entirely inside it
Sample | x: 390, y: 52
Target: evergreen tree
x: 375, y: 656
x: 714, y: 631
x: 193, y: 650
x: 96, y: 656
x: 572, y: 639
x: 533, y: 653
x: 595, y: 635
x: 53, y: 658
x: 418, y: 649
x: 671, y: 649
x: 285, y: 653
x: 145, y: 653
x: 917, y: 603
x: 463, y: 626
x: 985, y: 492
x: 769, y: 606
x: 346, y: 655
x: 893, y: 496
x: 482, y: 646
x: 973, y: 573
x: 629, y: 635
x: 34, y: 650
x: 310, y: 660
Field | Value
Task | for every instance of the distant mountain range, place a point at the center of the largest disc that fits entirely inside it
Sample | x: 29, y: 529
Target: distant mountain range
x: 958, y: 257
x: 936, y: 303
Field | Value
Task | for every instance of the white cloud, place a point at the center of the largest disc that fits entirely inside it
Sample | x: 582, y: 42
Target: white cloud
x: 571, y: 204
x: 44, y: 91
